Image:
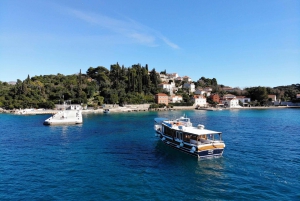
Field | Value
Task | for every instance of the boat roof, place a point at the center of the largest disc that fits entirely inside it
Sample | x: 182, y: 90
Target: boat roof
x: 193, y: 130
x: 197, y: 131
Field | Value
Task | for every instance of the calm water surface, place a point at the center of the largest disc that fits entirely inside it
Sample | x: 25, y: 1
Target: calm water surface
x: 118, y: 157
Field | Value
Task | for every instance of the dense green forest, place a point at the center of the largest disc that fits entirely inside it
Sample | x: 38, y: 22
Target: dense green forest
x: 118, y: 85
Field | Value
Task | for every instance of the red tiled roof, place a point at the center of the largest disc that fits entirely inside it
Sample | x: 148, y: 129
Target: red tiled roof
x: 161, y: 94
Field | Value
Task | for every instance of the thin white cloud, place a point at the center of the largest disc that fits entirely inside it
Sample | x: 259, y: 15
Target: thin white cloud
x: 128, y: 28
x: 173, y: 45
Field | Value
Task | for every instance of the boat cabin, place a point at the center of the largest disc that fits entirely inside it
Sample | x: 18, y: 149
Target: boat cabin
x: 191, y: 138
x: 194, y: 140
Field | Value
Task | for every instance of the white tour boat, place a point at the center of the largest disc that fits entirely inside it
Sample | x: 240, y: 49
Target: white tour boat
x: 197, y: 141
x: 71, y: 115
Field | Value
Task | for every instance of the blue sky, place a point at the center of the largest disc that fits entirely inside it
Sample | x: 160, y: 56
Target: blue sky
x: 240, y: 43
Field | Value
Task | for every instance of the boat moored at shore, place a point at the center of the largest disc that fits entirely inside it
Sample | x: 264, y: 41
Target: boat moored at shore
x: 71, y: 115
x: 182, y: 135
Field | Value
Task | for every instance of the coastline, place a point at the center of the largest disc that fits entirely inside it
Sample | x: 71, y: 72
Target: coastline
x: 135, y: 108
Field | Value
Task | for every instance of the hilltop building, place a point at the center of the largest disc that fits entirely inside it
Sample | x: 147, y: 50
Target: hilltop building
x: 203, y: 91
x: 189, y: 86
x: 186, y: 79
x: 167, y: 87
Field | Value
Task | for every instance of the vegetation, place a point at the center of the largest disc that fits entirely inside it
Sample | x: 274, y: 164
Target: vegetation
x: 118, y: 85
x: 259, y: 95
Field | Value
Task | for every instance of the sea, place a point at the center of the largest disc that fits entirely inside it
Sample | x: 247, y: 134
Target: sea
x: 117, y: 156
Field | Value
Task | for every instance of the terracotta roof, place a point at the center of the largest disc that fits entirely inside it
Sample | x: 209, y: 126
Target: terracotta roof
x: 161, y: 94
x: 198, y: 96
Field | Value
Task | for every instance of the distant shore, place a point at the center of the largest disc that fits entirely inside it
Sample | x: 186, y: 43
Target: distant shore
x: 134, y: 108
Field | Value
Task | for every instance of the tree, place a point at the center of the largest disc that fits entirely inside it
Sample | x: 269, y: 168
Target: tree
x: 258, y: 93
x: 114, y: 97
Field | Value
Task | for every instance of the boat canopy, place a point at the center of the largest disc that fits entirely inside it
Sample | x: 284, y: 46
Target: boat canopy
x: 192, y: 130
x: 195, y: 130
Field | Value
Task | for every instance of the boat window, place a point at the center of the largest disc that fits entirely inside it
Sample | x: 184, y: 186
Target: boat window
x: 167, y: 131
x: 203, y: 137
x: 179, y: 135
x: 211, y: 137
x: 187, y: 137
x: 194, y: 137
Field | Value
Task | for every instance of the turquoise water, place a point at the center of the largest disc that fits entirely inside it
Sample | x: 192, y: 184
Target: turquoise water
x: 118, y: 157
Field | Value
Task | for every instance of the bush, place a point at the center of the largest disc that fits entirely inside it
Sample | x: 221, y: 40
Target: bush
x: 154, y: 105
x: 47, y: 104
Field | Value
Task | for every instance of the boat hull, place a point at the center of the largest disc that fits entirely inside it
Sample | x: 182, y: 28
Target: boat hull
x: 204, y: 152
x: 61, y: 122
x: 65, y: 117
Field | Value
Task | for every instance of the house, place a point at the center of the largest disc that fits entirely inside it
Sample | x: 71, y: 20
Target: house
x: 206, y: 91
x: 178, y: 78
x: 175, y: 99
x: 161, y: 98
x: 230, y: 100
x: 231, y: 103
x: 245, y: 101
x: 189, y: 86
x: 167, y: 87
x: 228, y: 96
x: 163, y: 77
x: 215, y: 98
x: 172, y: 75
x: 186, y: 79
x: 273, y: 97
x: 199, y: 91
x: 199, y: 100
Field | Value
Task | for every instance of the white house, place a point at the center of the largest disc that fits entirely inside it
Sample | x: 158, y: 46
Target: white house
x: 246, y: 101
x: 190, y: 86
x: 175, y: 98
x: 201, y: 91
x: 163, y: 77
x: 231, y: 103
x: 167, y: 87
x: 199, y: 100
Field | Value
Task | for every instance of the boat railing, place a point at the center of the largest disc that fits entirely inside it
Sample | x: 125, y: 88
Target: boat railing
x: 204, y: 141
x: 195, y: 142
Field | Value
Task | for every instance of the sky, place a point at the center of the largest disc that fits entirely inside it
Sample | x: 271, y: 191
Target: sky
x: 241, y: 43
